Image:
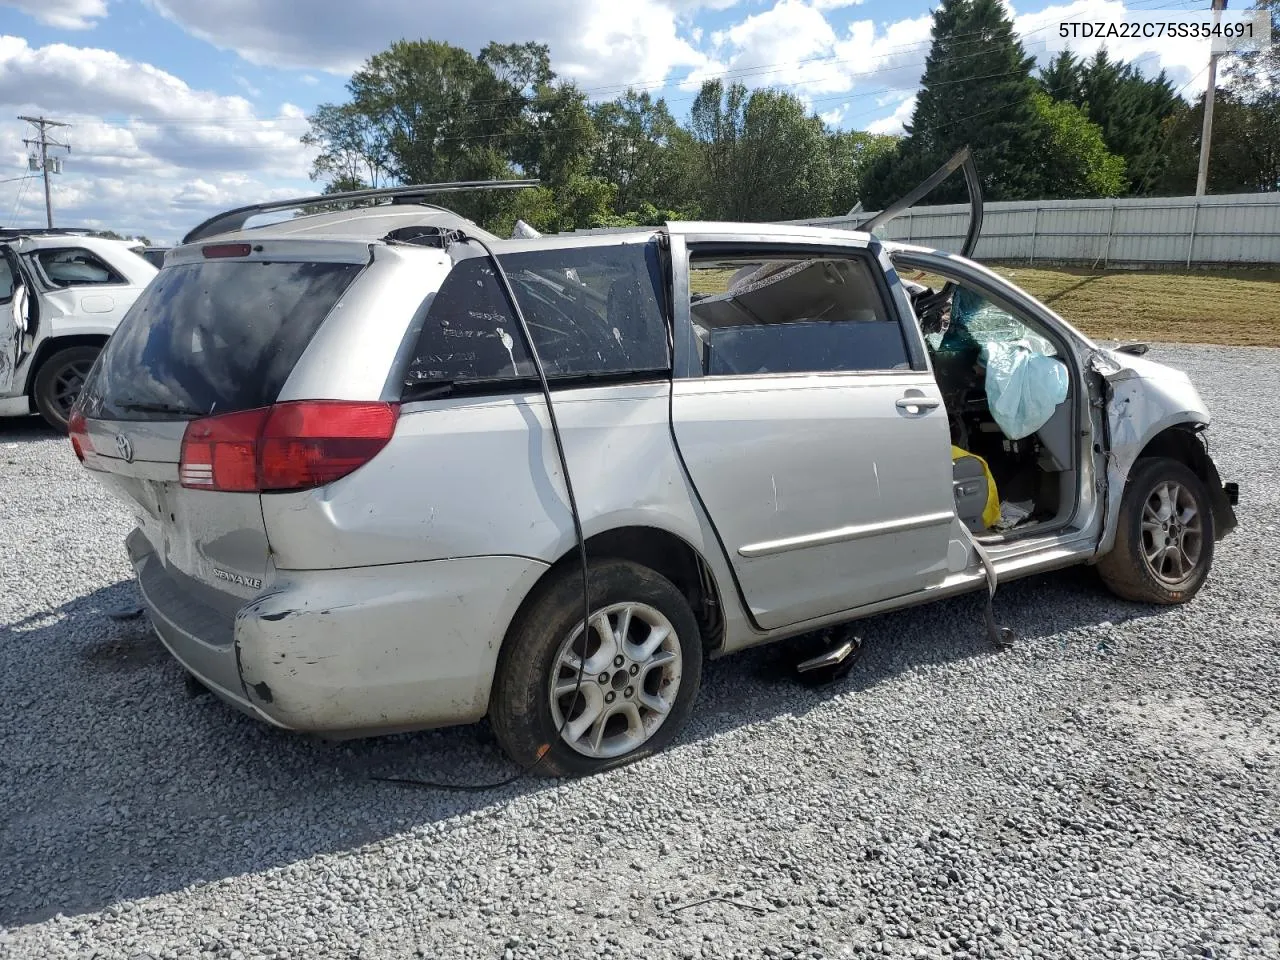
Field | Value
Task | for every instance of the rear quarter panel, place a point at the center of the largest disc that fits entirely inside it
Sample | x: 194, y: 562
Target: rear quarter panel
x: 481, y: 477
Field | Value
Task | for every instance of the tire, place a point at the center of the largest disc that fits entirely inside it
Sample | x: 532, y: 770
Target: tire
x: 1143, y: 565
x: 58, y: 380
x: 543, y: 643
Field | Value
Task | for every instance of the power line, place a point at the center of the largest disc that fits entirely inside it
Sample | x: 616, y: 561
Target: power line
x: 17, y: 201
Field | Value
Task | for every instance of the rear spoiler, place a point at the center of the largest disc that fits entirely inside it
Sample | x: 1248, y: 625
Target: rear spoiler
x: 235, y: 219
x: 961, y: 160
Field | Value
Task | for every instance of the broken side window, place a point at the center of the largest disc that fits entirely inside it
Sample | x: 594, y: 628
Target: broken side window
x: 591, y: 311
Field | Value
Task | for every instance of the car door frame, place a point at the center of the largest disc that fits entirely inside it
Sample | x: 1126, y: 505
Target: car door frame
x: 683, y: 238
x: 26, y: 339
x: 1085, y: 387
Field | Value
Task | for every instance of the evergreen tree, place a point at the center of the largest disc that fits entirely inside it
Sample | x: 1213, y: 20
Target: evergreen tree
x: 1063, y: 79
x: 977, y: 90
x: 1131, y: 109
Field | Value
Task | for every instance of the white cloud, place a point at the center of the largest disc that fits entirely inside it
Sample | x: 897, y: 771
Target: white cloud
x: 148, y: 150
x: 65, y: 14
x: 794, y: 44
x: 1184, y: 59
x: 833, y: 117
x: 166, y: 118
x: 595, y: 42
x: 894, y: 122
x: 783, y: 45
x: 162, y: 209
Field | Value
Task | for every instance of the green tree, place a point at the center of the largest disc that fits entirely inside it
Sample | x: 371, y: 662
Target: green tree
x: 641, y: 150
x: 1245, y: 151
x: 426, y: 111
x: 352, y: 148
x: 1257, y: 73
x: 762, y: 156
x: 1073, y: 154
x: 716, y: 122
x: 977, y: 90
x: 1063, y: 78
x: 1130, y: 109
x: 853, y: 154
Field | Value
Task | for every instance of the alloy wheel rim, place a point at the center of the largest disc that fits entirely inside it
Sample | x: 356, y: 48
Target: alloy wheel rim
x: 630, y: 680
x: 1172, y: 532
x: 67, y: 384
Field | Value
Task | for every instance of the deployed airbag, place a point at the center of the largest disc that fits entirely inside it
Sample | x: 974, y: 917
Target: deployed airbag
x: 1023, y: 385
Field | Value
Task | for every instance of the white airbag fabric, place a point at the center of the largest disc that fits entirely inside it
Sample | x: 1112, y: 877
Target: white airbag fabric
x: 1023, y: 386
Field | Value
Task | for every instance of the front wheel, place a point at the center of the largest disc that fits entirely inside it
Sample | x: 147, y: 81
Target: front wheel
x: 1164, y: 537
x: 596, y: 699
x: 58, y: 383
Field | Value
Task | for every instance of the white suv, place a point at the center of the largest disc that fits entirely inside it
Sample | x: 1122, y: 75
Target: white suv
x: 62, y: 293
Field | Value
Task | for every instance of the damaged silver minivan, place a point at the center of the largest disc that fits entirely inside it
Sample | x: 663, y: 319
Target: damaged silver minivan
x: 352, y: 511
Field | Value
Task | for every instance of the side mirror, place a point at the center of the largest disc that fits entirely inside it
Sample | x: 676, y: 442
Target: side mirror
x: 1134, y: 349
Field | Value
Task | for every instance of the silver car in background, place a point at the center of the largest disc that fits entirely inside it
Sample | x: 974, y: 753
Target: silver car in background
x: 352, y: 519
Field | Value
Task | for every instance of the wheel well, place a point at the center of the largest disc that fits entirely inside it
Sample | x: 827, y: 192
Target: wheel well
x: 49, y: 347
x: 1182, y: 443
x: 668, y: 555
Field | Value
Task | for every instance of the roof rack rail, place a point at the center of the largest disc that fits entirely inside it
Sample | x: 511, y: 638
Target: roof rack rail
x: 9, y: 233
x: 235, y: 219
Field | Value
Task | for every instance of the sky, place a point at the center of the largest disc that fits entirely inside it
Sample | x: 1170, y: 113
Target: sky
x: 181, y: 108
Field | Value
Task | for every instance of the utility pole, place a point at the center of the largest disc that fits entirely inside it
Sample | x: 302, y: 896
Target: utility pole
x: 1206, y: 132
x: 43, y: 125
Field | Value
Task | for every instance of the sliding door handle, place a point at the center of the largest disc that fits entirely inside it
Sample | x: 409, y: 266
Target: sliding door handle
x: 917, y: 404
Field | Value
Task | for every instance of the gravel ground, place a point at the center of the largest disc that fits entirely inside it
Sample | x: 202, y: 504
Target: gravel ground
x: 1107, y: 789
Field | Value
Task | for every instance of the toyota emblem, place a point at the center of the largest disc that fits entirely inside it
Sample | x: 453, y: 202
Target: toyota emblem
x: 124, y: 448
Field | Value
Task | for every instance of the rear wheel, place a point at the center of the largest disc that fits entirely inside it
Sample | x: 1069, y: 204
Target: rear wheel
x: 1165, y: 535
x: 58, y: 383
x: 641, y: 664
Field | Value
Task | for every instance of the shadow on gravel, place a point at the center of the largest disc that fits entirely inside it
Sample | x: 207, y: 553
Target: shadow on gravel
x: 25, y: 430
x: 120, y: 785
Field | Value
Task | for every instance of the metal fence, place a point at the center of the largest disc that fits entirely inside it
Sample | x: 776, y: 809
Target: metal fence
x: 1242, y: 229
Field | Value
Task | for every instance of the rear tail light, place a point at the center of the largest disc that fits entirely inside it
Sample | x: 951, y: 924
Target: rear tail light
x: 78, y: 430
x: 288, y: 446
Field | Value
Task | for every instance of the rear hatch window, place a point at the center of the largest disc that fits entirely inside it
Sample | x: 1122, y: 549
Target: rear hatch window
x: 213, y: 337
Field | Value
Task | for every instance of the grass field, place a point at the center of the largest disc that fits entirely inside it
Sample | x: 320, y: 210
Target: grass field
x: 1236, y: 308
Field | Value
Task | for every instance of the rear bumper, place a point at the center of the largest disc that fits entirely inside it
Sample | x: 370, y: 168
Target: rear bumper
x: 355, y: 651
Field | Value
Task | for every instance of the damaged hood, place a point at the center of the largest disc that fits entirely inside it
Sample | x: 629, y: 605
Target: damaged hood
x: 1146, y: 397
x: 1126, y: 366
